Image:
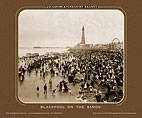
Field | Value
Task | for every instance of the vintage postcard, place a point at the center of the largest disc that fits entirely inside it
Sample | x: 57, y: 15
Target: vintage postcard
x: 71, y: 56
x: 69, y: 59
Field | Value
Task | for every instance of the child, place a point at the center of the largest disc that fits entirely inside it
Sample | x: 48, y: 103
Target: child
x: 53, y: 92
x: 70, y: 91
x: 37, y: 91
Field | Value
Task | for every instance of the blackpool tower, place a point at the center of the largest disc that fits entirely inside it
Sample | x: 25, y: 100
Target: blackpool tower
x: 83, y: 36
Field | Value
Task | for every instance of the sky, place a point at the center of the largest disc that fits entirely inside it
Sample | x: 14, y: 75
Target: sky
x: 61, y: 28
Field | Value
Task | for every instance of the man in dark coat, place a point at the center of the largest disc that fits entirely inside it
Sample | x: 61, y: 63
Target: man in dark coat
x: 45, y: 89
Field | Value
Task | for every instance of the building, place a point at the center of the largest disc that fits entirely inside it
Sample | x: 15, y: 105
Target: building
x: 83, y: 37
x: 82, y: 44
x: 115, y: 45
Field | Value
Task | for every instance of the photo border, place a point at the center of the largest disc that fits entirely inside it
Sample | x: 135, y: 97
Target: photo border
x: 124, y: 55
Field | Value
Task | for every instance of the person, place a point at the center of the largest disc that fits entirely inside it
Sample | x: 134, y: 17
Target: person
x: 98, y: 97
x: 50, y: 83
x: 80, y: 90
x: 91, y: 89
x: 85, y: 86
x: 44, y: 75
x: 36, y: 71
x: 60, y: 86
x: 40, y: 72
x: 63, y: 87
x: 53, y: 92
x: 45, y: 89
x: 37, y: 89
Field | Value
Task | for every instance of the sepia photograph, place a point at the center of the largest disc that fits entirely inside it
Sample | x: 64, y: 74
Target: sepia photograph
x: 70, y: 56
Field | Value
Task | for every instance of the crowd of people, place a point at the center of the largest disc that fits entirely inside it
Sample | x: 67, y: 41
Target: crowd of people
x: 98, y: 74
